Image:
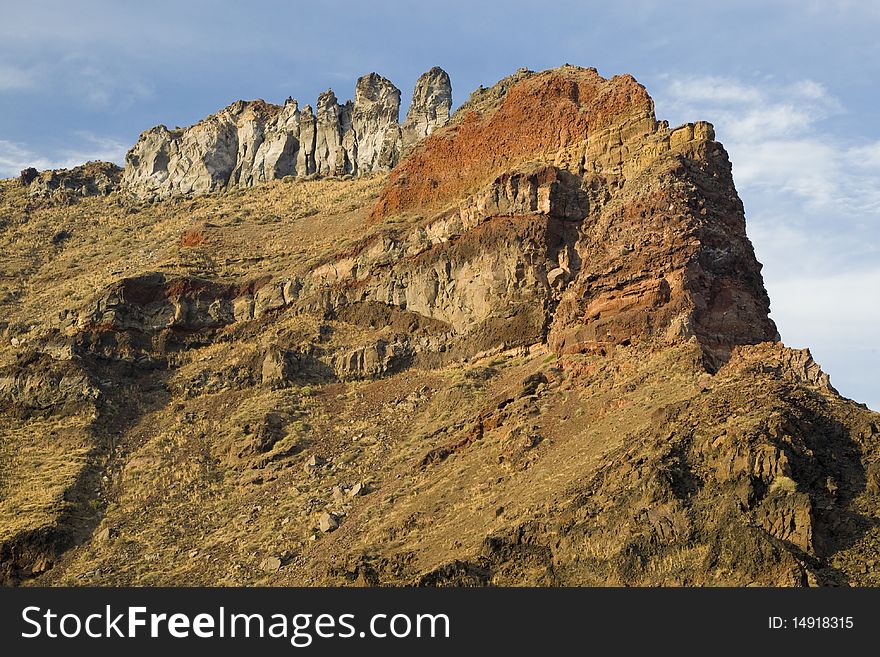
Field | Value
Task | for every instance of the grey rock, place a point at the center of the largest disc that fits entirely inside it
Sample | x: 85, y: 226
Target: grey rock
x: 374, y: 124
x: 327, y: 522
x: 278, y: 154
x: 250, y: 142
x: 308, y: 128
x: 214, y: 153
x: 372, y: 360
x: 27, y: 176
x: 275, y: 370
x: 430, y: 108
x: 271, y: 564
x: 65, y: 185
x: 269, y: 297
x: 331, y: 117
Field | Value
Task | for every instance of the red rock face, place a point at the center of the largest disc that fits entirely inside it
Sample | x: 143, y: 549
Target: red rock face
x: 538, y: 116
x: 668, y: 258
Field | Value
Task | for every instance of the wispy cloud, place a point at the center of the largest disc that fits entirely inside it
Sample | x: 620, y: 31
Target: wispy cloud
x: 714, y: 89
x: 866, y: 157
x: 101, y: 86
x: 15, y: 156
x: 84, y: 80
x: 16, y: 78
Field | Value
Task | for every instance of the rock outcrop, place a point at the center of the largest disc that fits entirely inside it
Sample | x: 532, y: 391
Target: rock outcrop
x: 42, y: 384
x: 248, y: 143
x: 66, y: 185
x: 430, y: 107
x: 656, y: 242
x: 374, y: 133
x: 332, y: 121
x: 242, y: 145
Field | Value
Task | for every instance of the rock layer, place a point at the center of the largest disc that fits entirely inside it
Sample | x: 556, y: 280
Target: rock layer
x: 658, y: 246
x: 248, y: 143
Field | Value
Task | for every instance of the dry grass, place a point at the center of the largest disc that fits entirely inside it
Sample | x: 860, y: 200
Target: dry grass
x: 187, y: 502
x: 40, y: 461
x: 272, y: 229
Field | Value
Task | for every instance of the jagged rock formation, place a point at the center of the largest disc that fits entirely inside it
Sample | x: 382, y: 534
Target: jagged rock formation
x: 243, y: 144
x: 374, y: 132
x: 252, y: 142
x: 539, y: 350
x: 430, y: 108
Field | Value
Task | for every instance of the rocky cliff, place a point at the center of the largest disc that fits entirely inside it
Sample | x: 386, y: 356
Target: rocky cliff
x: 537, y: 351
x: 253, y: 142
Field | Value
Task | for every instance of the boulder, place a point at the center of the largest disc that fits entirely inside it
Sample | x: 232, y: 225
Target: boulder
x: 328, y: 522
x: 271, y: 564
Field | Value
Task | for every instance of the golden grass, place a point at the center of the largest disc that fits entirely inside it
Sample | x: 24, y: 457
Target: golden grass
x: 40, y: 460
x: 271, y: 229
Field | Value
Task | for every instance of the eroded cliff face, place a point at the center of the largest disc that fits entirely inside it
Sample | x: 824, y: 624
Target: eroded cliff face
x: 538, y: 351
x: 253, y: 142
x: 656, y: 242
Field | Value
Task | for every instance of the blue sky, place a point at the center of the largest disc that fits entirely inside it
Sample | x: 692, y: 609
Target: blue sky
x: 792, y: 88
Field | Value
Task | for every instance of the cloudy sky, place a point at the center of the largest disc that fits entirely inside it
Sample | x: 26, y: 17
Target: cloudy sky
x: 792, y: 88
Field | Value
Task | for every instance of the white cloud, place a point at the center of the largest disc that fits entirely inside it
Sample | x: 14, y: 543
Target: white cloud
x: 762, y: 122
x: 712, y: 89
x: 805, y: 167
x: 14, y: 78
x: 867, y: 156
x: 791, y: 251
x: 828, y: 176
x: 14, y: 156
